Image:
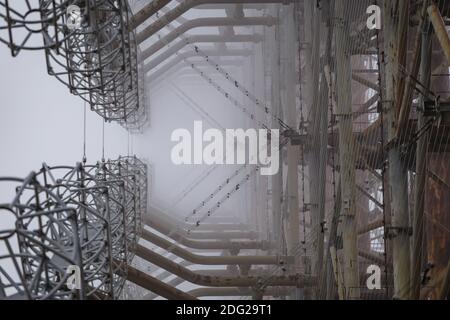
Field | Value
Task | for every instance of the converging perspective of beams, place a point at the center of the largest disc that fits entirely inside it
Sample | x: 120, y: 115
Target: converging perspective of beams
x: 225, y: 150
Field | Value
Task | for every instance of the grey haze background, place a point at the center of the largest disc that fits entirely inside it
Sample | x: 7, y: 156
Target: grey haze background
x: 40, y: 121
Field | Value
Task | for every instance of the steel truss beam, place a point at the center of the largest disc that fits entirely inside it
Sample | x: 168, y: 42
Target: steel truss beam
x: 214, y: 260
x: 198, y: 39
x: 220, y: 281
x: 185, y: 6
x: 204, y: 22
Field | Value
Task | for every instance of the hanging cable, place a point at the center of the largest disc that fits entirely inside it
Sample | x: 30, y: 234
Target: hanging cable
x: 263, y: 106
x: 128, y: 143
x: 84, y: 134
x: 237, y: 187
x: 380, y: 58
x: 103, y: 140
x: 131, y: 145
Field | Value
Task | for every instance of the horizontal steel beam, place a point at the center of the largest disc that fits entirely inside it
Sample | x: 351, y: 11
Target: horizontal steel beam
x: 254, y: 6
x: 237, y: 292
x: 214, y: 260
x: 204, y: 22
x: 219, y: 226
x: 173, y: 283
x: 199, y: 39
x: 192, y: 76
x: 365, y: 82
x: 185, y: 6
x: 186, y: 55
x: 372, y: 256
x: 221, y: 281
x: 185, y: 71
x: 154, y: 285
x: 148, y: 11
x: 371, y: 226
x: 201, y: 244
x: 205, y: 235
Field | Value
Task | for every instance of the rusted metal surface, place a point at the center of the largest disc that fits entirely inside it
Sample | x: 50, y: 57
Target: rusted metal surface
x: 440, y: 30
x: 437, y: 210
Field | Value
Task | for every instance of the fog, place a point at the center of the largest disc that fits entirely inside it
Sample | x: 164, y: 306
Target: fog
x: 42, y: 122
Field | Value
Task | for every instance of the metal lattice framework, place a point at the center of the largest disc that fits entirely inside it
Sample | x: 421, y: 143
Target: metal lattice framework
x: 96, y: 60
x: 34, y: 24
x: 140, y: 169
x: 87, y: 216
x: 132, y: 172
x: 40, y: 239
x: 78, y: 190
x: 137, y: 121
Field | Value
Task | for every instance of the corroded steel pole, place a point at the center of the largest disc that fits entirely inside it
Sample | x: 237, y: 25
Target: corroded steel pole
x: 440, y: 29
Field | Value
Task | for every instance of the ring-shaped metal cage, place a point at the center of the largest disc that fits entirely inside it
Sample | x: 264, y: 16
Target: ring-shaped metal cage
x: 119, y: 99
x: 34, y: 24
x: 39, y: 244
x: 79, y: 190
x: 93, y: 55
x: 118, y: 242
x: 137, y: 120
x: 140, y: 169
x: 98, y: 61
x: 83, y: 215
x: 113, y: 171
